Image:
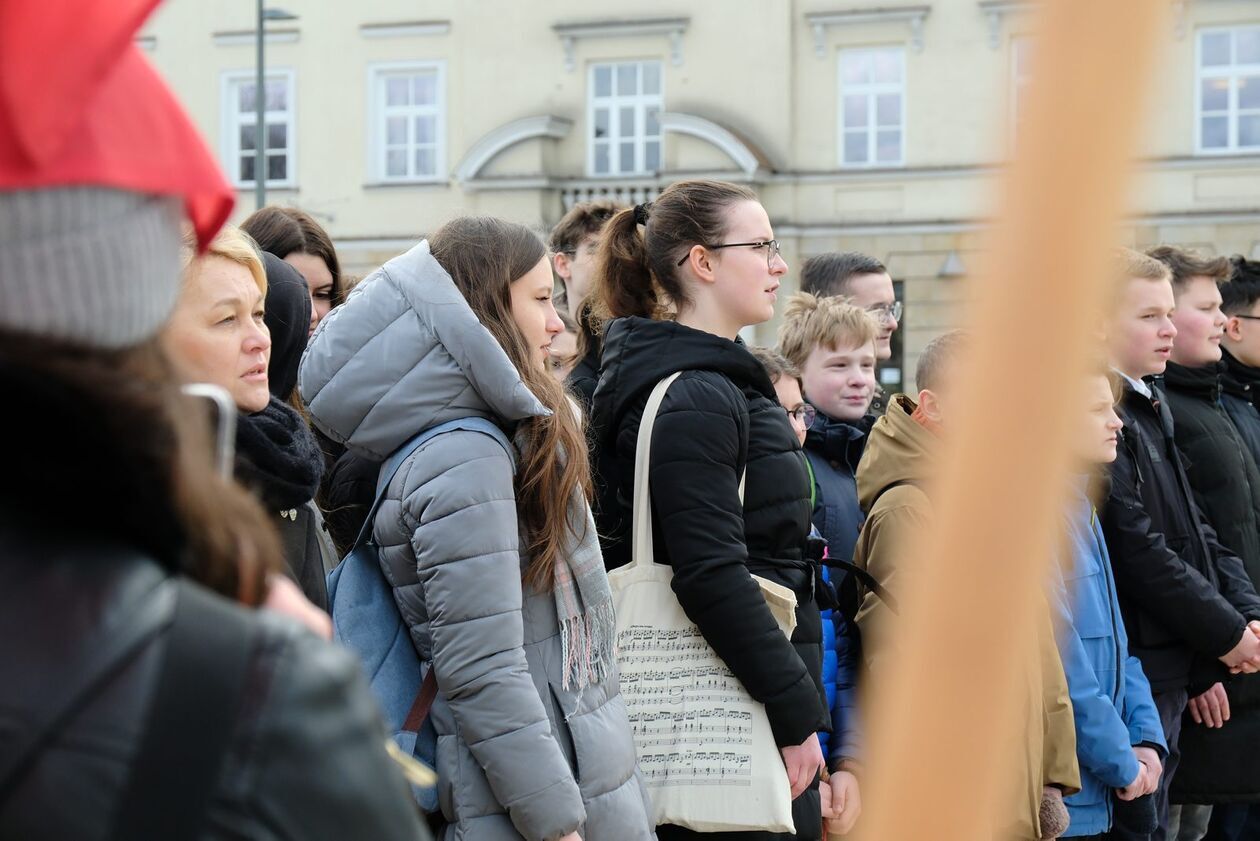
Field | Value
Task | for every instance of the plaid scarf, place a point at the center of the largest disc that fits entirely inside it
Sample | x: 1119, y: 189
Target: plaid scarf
x: 584, y: 603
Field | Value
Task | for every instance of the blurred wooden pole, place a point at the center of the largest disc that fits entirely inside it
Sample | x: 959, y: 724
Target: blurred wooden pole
x: 943, y: 727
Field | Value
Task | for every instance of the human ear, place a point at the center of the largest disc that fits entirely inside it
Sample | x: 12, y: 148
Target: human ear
x: 563, y: 266
x: 1233, y: 328
x: 930, y: 405
x: 701, y: 262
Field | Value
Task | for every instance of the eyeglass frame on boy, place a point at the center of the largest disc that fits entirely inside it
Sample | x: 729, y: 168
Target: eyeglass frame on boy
x: 773, y: 249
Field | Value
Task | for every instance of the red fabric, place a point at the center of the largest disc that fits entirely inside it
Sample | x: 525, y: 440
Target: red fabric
x: 80, y: 105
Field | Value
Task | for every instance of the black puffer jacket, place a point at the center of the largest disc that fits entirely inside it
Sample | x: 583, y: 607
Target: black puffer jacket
x: 718, y: 419
x: 1219, y: 765
x: 1185, y: 598
x: 1240, y: 396
x: 306, y: 760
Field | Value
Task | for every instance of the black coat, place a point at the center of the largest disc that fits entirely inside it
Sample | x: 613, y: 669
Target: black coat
x: 1185, y: 599
x: 1220, y: 765
x: 1240, y: 396
x: 718, y: 419
x: 306, y: 759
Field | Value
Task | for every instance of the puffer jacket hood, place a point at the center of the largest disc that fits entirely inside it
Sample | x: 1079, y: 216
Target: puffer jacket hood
x: 404, y: 353
x: 640, y: 352
x: 899, y: 451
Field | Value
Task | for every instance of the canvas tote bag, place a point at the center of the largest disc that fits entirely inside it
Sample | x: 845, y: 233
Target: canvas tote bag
x: 704, y: 744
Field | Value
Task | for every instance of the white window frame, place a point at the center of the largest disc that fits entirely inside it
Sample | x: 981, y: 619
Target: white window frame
x: 871, y: 90
x: 230, y: 122
x: 377, y: 73
x: 615, y: 102
x: 1231, y: 72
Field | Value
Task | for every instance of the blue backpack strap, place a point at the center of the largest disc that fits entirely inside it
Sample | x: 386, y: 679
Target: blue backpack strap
x: 400, y: 456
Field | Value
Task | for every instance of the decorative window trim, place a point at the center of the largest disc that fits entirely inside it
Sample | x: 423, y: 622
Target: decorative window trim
x: 997, y: 10
x: 405, y: 29
x: 375, y: 127
x: 716, y: 135
x: 230, y: 127
x: 245, y: 37
x: 615, y: 140
x: 820, y: 22
x: 492, y: 144
x: 571, y: 33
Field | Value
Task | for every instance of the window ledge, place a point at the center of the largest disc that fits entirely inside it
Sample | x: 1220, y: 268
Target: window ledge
x: 250, y: 36
x: 405, y: 29
x: 395, y: 183
x: 819, y: 22
x: 570, y: 33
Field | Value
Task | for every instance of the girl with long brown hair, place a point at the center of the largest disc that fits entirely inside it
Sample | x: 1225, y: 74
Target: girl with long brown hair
x: 493, y: 555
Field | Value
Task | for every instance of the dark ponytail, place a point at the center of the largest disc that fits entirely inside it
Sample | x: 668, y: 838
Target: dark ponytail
x: 637, y: 271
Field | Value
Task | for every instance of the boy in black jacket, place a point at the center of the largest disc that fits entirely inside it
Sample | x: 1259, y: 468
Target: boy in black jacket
x: 1185, y: 599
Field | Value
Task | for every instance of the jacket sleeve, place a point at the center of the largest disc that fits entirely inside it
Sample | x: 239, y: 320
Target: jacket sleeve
x: 321, y: 770
x: 1153, y: 575
x: 881, y: 550
x: 846, y: 726
x: 1102, y: 739
x: 694, y: 477
x: 465, y: 542
x: 1236, y: 585
x: 1141, y: 715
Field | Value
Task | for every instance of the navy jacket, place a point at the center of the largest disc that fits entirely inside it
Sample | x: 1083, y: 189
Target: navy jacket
x: 1111, y: 698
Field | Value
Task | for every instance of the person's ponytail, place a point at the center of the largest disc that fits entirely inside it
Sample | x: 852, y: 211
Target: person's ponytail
x: 624, y: 284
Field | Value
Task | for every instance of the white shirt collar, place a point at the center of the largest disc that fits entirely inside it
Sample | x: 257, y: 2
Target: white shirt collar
x: 1138, y: 385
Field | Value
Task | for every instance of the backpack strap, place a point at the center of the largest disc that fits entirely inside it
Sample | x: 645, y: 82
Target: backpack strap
x: 869, y: 581
x: 399, y: 457
x: 190, y: 721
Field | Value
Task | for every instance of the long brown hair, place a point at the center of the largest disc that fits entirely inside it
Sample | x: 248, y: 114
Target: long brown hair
x: 637, y: 273
x: 484, y: 256
x: 286, y: 230
x: 109, y: 436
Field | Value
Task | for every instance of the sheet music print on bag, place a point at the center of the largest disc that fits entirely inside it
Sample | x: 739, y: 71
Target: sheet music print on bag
x: 692, y: 721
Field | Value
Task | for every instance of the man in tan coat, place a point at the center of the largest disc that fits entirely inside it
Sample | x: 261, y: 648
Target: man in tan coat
x: 899, y: 463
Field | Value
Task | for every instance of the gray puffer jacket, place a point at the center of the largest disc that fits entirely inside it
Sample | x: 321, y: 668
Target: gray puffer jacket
x: 517, y: 755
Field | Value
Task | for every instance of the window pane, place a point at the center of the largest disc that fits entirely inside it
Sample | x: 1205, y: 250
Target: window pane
x: 424, y: 89
x: 397, y: 91
x: 651, y: 77
x: 396, y: 163
x: 1249, y: 131
x: 653, y: 127
x: 246, y: 102
x: 627, y: 157
x: 1249, y: 92
x: 652, y: 155
x: 277, y: 135
x: 1215, y: 132
x: 627, y: 79
x: 888, y: 146
x: 601, y: 158
x: 1214, y: 95
x: 1213, y: 49
x: 888, y: 109
x: 426, y: 130
x: 277, y: 167
x: 855, y: 68
x: 247, y: 138
x: 426, y: 162
x: 627, y: 122
x: 1247, y: 46
x: 396, y: 130
x: 247, y: 168
x: 855, y: 147
x: 603, y: 80
x: 855, y: 108
x: 277, y: 95
x: 888, y: 66
x: 601, y: 122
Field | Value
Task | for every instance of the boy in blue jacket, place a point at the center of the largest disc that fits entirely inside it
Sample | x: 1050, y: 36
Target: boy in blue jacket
x: 1119, y: 739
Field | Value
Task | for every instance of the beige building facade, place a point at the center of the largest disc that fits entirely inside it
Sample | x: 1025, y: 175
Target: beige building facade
x: 875, y: 127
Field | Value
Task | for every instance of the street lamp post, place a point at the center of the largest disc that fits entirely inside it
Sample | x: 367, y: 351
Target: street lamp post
x: 260, y: 105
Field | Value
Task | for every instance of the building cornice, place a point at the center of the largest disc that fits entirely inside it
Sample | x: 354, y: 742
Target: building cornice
x: 820, y: 22
x: 405, y: 29
x: 996, y: 10
x: 490, y: 145
x: 244, y: 37
x: 571, y: 33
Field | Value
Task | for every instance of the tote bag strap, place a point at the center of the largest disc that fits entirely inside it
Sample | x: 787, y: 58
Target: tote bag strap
x: 641, y: 517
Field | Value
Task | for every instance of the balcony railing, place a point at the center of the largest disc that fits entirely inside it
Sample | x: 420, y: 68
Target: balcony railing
x: 624, y: 192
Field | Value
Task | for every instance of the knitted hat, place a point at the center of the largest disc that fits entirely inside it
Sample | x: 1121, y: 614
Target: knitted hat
x: 96, y: 160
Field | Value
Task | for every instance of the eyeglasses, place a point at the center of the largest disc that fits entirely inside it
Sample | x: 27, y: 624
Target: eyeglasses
x: 805, y: 414
x: 886, y: 312
x: 1248, y: 317
x: 771, y: 246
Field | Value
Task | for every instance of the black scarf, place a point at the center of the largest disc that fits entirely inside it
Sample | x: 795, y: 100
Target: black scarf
x: 277, y: 456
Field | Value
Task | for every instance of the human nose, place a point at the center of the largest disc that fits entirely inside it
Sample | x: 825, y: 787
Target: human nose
x: 554, y: 325
x: 1170, y: 329
x: 1114, y: 422
x: 258, y: 339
